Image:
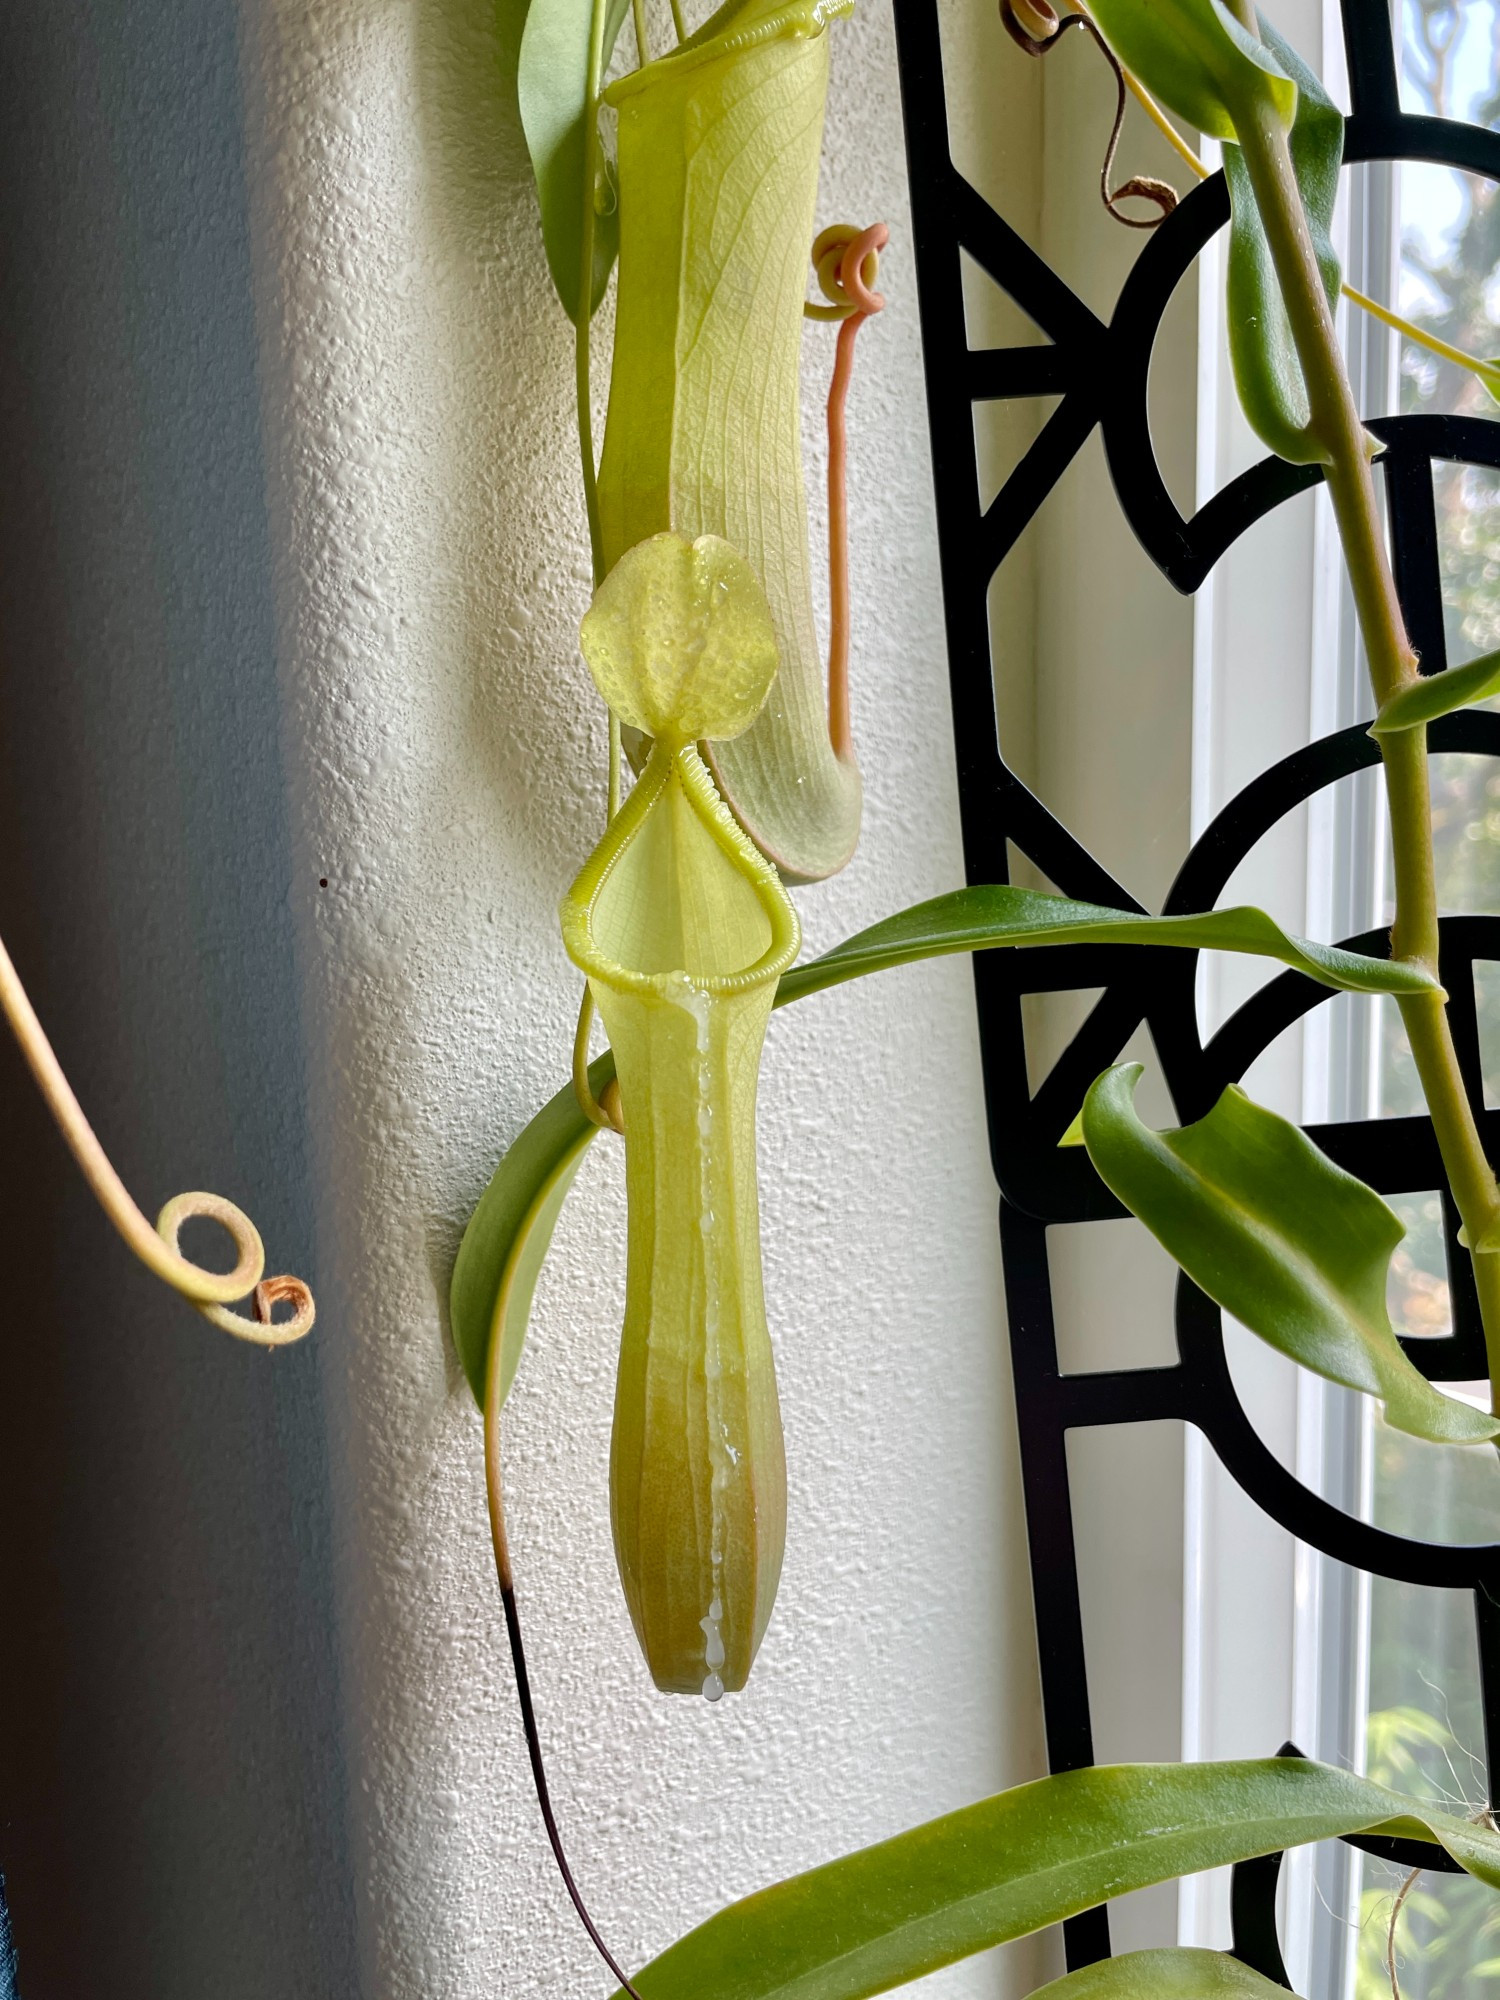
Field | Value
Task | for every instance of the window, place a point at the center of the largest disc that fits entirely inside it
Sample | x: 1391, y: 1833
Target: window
x: 1383, y: 1676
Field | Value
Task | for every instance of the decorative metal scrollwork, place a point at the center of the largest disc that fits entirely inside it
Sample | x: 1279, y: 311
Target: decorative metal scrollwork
x: 1042, y: 1186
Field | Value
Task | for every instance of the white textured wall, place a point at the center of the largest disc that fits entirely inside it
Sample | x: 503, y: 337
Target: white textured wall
x: 289, y: 579
x: 443, y: 757
x: 171, y: 1763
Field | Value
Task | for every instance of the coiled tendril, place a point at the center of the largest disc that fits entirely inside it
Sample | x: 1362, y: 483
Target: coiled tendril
x: 212, y: 1292
x: 846, y: 261
x: 1035, y: 26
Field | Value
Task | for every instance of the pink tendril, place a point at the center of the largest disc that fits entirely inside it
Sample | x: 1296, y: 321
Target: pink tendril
x: 846, y: 261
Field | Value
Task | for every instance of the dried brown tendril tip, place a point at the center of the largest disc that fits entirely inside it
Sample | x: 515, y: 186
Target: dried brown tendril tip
x: 263, y: 1330
x: 1142, y: 187
x: 1034, y: 26
x: 1031, y: 24
x: 210, y: 1291
x: 284, y: 1291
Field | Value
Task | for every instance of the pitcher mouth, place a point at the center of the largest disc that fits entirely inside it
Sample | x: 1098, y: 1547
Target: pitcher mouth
x: 728, y: 32
x: 682, y: 765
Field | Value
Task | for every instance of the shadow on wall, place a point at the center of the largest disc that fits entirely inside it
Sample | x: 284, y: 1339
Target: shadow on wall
x: 171, y: 1810
x: 7, y: 1950
x: 532, y: 722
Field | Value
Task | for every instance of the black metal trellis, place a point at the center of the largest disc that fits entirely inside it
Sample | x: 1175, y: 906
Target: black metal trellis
x: 1040, y: 1185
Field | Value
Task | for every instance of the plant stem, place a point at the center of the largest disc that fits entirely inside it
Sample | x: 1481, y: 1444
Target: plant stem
x: 581, y: 374
x: 1336, y: 426
x: 500, y: 1542
x: 583, y: 385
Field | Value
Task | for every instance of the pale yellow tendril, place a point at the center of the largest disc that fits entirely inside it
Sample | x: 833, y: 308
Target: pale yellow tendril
x: 212, y: 1292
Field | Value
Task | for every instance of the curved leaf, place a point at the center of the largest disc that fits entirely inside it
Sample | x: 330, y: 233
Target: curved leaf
x: 1267, y: 373
x: 510, y: 1232
x: 1183, y: 1974
x: 1439, y: 694
x: 513, y: 1220
x: 552, y: 84
x: 1196, y: 57
x: 981, y: 918
x: 1296, y: 1249
x: 1022, y: 1860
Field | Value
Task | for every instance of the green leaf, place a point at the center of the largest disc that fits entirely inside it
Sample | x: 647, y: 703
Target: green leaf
x: 513, y: 1220
x: 1439, y: 694
x: 510, y: 1232
x: 1267, y: 373
x: 1020, y: 1861
x: 552, y: 84
x: 1289, y: 1244
x: 1197, y: 58
x: 979, y: 918
x: 1184, y: 1974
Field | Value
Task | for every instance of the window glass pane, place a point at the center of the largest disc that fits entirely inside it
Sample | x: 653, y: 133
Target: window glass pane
x: 1423, y: 1730
x: 1424, y: 1736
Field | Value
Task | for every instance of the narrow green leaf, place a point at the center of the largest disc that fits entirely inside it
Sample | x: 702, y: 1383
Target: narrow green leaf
x: 1020, y: 1861
x: 552, y: 84
x: 1275, y: 1233
x: 513, y: 1219
x: 1183, y: 1974
x: 979, y: 918
x: 1439, y: 694
x: 1267, y: 373
x: 1196, y: 57
x: 510, y: 1232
